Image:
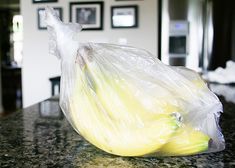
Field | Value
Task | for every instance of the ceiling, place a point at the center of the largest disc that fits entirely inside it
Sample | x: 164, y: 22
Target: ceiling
x: 10, y: 4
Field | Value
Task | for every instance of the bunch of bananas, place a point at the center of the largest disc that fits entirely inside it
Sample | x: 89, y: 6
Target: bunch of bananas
x: 116, y: 114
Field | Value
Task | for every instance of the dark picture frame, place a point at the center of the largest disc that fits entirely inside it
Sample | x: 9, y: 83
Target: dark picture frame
x: 89, y: 14
x: 44, y: 1
x: 41, y: 17
x: 124, y: 16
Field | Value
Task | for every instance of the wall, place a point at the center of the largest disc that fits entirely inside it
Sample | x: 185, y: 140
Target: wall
x: 38, y: 65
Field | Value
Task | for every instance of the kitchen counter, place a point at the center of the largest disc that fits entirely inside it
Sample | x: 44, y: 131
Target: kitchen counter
x: 40, y: 136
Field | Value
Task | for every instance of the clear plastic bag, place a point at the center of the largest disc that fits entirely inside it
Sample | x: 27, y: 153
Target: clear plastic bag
x: 126, y: 102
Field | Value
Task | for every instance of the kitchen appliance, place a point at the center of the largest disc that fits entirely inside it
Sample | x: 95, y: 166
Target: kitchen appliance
x: 186, y: 33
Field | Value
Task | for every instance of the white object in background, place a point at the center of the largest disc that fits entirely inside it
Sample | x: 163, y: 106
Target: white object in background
x: 227, y: 91
x: 222, y: 75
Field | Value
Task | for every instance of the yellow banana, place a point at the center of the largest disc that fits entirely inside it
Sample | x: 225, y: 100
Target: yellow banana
x: 113, y: 127
x: 186, y: 141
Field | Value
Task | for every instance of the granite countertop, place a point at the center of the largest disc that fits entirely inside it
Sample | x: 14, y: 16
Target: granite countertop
x: 40, y: 136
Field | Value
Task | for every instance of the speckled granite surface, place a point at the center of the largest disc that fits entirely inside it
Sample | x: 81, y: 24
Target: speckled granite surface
x: 40, y: 136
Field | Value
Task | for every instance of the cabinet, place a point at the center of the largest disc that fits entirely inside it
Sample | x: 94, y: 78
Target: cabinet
x: 11, y: 88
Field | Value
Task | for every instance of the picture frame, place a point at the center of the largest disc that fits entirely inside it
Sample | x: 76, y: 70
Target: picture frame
x: 44, y: 1
x: 89, y: 14
x: 124, y: 16
x: 41, y: 17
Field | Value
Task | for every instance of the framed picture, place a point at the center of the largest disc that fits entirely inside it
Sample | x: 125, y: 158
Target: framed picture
x: 41, y: 17
x: 124, y: 16
x: 44, y: 1
x: 88, y: 14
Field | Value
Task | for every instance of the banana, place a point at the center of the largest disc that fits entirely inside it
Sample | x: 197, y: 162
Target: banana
x: 107, y: 112
x: 125, y: 102
x: 127, y: 96
x: 104, y: 120
x: 186, y: 141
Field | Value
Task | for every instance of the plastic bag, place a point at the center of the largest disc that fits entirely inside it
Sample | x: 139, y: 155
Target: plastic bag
x: 126, y: 102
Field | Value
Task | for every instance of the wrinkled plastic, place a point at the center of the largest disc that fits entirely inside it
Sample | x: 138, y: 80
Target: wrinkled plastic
x: 126, y: 102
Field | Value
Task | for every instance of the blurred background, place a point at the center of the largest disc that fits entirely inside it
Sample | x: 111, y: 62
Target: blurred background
x: 198, y: 34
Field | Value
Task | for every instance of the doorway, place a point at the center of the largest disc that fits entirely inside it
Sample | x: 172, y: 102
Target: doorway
x: 10, y: 55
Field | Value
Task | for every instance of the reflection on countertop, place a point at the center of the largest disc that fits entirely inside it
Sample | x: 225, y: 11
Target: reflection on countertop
x: 40, y: 136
